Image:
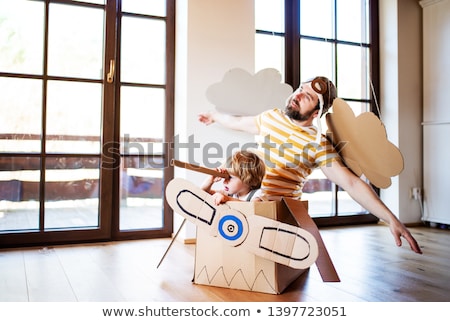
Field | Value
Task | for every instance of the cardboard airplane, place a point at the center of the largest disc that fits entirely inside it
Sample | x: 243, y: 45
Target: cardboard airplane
x: 290, y: 238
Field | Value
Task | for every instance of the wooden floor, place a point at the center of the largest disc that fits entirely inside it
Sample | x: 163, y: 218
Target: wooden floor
x: 371, y: 268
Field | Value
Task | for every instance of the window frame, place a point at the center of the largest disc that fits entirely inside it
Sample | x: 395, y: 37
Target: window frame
x: 292, y: 65
x: 110, y: 191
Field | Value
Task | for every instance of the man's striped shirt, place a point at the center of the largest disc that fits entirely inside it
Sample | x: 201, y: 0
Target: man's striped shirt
x: 290, y: 154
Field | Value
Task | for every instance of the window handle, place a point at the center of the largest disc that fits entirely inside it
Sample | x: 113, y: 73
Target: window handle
x: 110, y: 75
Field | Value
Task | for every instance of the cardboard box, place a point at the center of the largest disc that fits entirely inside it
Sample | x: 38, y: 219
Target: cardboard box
x: 222, y: 265
x: 254, y: 246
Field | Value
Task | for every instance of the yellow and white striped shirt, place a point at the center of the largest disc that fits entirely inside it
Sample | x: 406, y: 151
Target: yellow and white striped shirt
x: 290, y: 154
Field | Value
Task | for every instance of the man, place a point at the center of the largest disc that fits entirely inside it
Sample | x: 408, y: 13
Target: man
x: 292, y: 147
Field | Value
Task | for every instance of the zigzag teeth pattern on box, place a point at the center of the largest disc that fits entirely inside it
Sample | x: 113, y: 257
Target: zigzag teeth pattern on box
x: 219, y: 278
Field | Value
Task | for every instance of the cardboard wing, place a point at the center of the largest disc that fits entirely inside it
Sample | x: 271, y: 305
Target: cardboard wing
x: 279, y: 242
x: 363, y: 145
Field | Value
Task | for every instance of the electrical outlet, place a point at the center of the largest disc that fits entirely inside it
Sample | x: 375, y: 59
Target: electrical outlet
x: 416, y: 193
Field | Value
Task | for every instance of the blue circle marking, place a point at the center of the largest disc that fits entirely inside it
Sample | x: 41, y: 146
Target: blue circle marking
x: 238, y: 224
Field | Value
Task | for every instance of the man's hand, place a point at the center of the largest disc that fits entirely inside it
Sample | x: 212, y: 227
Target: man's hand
x: 206, y: 118
x: 399, y: 230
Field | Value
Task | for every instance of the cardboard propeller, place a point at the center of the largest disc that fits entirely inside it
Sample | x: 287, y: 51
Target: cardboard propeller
x: 198, y: 168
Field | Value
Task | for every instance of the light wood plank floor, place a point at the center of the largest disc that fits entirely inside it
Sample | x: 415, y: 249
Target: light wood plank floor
x: 371, y: 268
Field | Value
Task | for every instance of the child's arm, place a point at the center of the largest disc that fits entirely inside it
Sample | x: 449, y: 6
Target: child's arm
x: 210, y: 180
x: 220, y: 197
x: 207, y: 184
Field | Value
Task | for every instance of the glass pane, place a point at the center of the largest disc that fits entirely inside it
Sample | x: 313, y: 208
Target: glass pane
x: 141, y: 194
x: 19, y: 193
x: 71, y: 192
x: 21, y: 44
x: 346, y: 205
x: 142, y: 121
x: 153, y: 7
x: 143, y: 50
x: 318, y: 191
x: 316, y: 59
x: 20, y: 108
x: 269, y: 52
x: 317, y: 18
x: 352, y: 75
x: 352, y: 21
x: 74, y: 120
x: 269, y: 15
x: 75, y: 49
x: 358, y: 107
x: 92, y: 1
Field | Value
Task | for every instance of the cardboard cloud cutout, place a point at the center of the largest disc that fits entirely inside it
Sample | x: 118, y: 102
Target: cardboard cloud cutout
x: 363, y: 145
x: 241, y: 93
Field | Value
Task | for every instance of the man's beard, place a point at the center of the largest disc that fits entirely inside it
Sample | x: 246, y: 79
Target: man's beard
x: 296, y: 115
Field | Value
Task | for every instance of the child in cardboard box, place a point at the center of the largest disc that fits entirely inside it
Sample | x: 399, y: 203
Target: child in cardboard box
x: 246, y: 172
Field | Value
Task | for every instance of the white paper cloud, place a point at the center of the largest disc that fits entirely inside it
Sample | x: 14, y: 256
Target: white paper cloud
x: 241, y: 93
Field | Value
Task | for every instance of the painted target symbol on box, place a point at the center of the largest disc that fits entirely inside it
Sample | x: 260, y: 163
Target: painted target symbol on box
x: 233, y: 227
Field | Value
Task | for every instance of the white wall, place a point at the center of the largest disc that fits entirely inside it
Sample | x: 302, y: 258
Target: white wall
x: 436, y: 109
x: 212, y: 37
x: 401, y: 99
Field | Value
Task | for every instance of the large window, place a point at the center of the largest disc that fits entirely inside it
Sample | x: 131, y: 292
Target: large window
x: 332, y: 38
x: 86, y: 110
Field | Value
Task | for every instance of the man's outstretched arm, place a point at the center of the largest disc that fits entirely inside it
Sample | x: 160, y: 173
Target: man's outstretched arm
x: 362, y: 193
x: 238, y: 123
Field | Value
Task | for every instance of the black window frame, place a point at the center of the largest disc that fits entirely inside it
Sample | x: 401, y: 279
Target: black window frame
x: 292, y: 72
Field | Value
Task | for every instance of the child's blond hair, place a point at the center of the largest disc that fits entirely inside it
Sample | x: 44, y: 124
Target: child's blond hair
x: 248, y: 167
